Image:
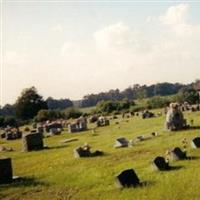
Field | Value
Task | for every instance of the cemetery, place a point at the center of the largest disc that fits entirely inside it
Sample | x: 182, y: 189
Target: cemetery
x: 74, y: 166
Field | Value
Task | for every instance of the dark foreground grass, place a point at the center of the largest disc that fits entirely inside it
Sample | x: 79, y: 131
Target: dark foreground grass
x: 55, y: 174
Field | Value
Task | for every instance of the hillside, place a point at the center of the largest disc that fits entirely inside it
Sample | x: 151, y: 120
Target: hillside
x: 55, y: 174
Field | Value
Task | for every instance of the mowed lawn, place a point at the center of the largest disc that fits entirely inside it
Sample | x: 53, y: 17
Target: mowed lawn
x: 55, y: 174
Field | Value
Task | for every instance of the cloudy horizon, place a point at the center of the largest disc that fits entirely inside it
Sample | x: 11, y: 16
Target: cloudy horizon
x: 68, y: 50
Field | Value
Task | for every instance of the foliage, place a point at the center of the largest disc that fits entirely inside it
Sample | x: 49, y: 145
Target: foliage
x: 187, y: 95
x: 111, y: 106
x: 29, y: 103
x: 8, y: 121
x: 58, y: 103
x: 44, y: 115
x: 72, y: 113
x: 135, y: 92
x: 158, y: 102
x: 8, y: 110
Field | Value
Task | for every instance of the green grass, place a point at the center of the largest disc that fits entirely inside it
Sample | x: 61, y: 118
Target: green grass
x: 55, y: 174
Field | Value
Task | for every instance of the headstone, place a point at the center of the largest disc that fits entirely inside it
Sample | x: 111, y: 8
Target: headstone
x: 40, y: 129
x: 196, y: 142
x: 32, y: 141
x: 80, y: 152
x: 121, y: 142
x: 177, y: 154
x: 69, y: 140
x: 5, y: 170
x: 140, y: 138
x: 9, y: 136
x: 55, y: 131
x: 159, y: 163
x: 127, y: 178
x: 174, y: 118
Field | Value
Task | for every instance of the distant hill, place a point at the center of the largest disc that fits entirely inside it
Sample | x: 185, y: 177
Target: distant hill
x: 133, y: 92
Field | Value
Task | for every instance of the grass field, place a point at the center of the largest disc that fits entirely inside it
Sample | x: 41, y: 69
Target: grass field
x: 55, y: 174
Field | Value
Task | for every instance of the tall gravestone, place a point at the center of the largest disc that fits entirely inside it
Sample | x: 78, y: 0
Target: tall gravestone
x: 32, y: 141
x: 174, y: 118
x: 5, y: 170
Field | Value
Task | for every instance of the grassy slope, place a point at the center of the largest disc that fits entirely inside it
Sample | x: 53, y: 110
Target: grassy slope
x: 55, y: 174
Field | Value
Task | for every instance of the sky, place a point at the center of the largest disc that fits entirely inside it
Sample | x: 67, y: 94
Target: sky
x: 68, y: 49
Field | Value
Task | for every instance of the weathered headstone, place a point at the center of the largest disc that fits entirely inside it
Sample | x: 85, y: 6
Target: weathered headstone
x: 32, y: 141
x: 177, y: 154
x: 102, y: 121
x: 79, y: 125
x: 174, y: 118
x: 127, y: 178
x: 196, y: 142
x: 6, y: 174
x: 121, y: 142
x: 159, y: 163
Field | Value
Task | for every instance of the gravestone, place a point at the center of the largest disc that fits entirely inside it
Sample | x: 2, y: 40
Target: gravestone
x: 81, y: 152
x: 121, y: 142
x: 127, y: 178
x: 55, y: 131
x: 140, y: 138
x: 6, y: 175
x: 159, y: 163
x: 174, y: 118
x: 196, y: 142
x: 32, y: 141
x: 102, y: 121
x: 177, y: 154
x: 69, y: 140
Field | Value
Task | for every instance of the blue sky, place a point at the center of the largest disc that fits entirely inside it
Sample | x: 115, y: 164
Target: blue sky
x: 69, y: 49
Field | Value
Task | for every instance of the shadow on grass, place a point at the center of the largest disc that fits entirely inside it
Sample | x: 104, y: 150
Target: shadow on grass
x: 24, y: 182
x: 171, y: 168
x: 56, y: 147
x: 193, y: 127
x: 192, y: 158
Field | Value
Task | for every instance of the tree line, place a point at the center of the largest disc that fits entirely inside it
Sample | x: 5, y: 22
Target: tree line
x: 29, y: 103
x: 135, y: 92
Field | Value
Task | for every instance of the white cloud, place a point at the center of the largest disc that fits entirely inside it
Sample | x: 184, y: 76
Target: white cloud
x: 114, y: 36
x: 175, y: 15
x: 116, y: 56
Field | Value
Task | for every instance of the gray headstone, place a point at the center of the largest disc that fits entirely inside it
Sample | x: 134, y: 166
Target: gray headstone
x: 32, y: 141
x: 177, y: 154
x: 159, y: 163
x: 80, y: 152
x: 196, y: 142
x: 5, y: 170
x: 127, y: 178
x: 121, y: 142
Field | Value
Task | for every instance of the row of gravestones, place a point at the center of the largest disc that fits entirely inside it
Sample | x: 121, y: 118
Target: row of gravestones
x: 35, y: 142
x: 128, y: 178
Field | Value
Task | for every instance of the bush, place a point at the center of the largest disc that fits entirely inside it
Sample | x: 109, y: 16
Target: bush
x: 44, y: 115
x: 8, y: 121
x: 157, y: 102
x: 72, y: 113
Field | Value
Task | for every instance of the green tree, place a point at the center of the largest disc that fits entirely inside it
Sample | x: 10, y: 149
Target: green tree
x: 29, y: 103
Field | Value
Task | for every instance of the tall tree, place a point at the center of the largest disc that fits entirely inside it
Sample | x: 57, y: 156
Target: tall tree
x: 29, y: 103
